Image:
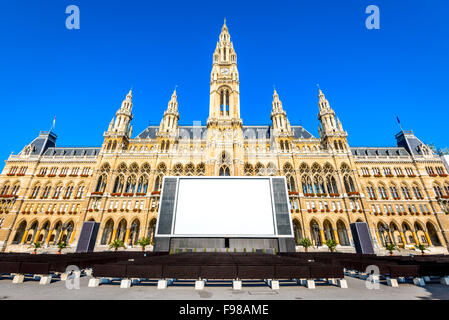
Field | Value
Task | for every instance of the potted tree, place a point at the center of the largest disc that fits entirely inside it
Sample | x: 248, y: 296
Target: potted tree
x: 36, y: 245
x: 117, y: 243
x: 421, y: 248
x: 390, y: 247
x: 306, y: 243
x: 143, y: 242
x: 331, y: 244
x: 61, y: 245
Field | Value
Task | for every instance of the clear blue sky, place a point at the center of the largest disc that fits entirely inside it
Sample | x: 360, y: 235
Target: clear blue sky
x: 82, y: 76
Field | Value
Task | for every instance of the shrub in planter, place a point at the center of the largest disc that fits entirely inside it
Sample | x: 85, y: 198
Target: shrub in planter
x: 143, y: 242
x: 116, y: 244
x: 331, y: 244
x: 306, y: 243
x: 390, y: 247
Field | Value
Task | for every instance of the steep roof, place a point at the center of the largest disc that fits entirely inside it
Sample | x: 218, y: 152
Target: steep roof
x: 379, y: 152
x: 71, y: 152
x: 190, y: 131
x: 45, y: 140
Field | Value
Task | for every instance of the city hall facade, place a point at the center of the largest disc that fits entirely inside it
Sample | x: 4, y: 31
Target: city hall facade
x: 47, y: 192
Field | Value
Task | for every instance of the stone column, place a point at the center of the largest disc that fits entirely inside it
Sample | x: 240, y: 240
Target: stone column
x: 428, y: 238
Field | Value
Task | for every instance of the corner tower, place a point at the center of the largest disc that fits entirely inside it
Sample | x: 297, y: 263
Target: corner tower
x: 120, y: 129
x: 332, y: 135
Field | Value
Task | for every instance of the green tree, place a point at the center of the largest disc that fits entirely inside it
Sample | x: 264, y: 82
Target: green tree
x: 390, y: 247
x: 61, y: 245
x: 143, y: 242
x: 36, y: 245
x: 306, y: 243
x: 331, y: 244
x: 116, y: 244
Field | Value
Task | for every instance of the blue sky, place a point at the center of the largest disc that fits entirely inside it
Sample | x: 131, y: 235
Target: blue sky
x: 82, y: 76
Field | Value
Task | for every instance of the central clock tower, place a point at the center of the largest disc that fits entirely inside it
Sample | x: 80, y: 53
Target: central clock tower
x: 224, y: 82
x: 224, y: 145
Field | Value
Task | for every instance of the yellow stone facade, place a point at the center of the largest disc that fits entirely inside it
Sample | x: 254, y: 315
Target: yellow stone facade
x: 47, y: 192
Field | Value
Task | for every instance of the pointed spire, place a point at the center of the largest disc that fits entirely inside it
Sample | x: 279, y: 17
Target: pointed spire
x: 173, y: 103
x: 224, y: 35
x: 276, y: 104
x: 323, y: 104
x: 127, y: 104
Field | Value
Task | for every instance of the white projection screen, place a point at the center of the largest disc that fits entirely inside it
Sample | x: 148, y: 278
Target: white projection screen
x: 224, y: 207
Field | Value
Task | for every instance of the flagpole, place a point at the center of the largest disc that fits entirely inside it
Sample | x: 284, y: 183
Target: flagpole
x: 399, y: 122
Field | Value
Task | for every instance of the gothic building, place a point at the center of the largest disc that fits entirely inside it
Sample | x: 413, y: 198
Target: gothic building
x: 47, y: 192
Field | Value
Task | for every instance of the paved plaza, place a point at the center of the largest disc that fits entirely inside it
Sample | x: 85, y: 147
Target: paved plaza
x: 31, y: 289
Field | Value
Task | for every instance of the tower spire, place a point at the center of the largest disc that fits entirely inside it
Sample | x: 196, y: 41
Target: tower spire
x: 224, y: 90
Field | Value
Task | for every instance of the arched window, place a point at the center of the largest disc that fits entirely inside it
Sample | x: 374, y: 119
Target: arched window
x: 35, y: 191
x: 437, y: 190
x: 315, y: 232
x: 331, y: 184
x: 224, y: 171
x: 158, y: 182
x: 405, y: 192
x: 142, y: 186
x: 328, y: 231
x: 201, y: 169
x: 134, y: 232
x: 248, y: 169
x: 189, y: 169
x: 178, y: 169
x: 107, y: 232
x: 307, y: 187
x: 57, y: 193
x: 342, y: 233
x: 130, y: 184
x: 121, y: 230
x: 259, y: 169
x: 80, y: 192
x: 47, y: 191
x: 20, y: 231
x: 394, y: 192
x: 101, y: 183
x: 68, y: 192
x: 291, y: 183
x: 433, y: 234
x: 318, y: 184
x: 118, y: 184
x: 349, y: 184
x: 271, y: 169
